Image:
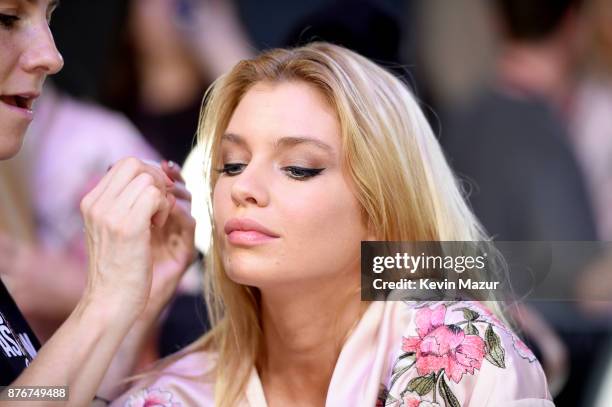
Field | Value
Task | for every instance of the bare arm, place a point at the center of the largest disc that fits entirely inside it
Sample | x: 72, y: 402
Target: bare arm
x: 132, y: 223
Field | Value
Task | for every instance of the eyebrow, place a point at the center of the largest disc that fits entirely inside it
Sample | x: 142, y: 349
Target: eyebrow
x: 52, y: 3
x: 282, y: 142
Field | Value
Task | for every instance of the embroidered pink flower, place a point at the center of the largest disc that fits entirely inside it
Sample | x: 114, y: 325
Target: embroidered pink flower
x: 441, y: 346
x: 519, y: 346
x: 151, y: 398
x: 410, y: 399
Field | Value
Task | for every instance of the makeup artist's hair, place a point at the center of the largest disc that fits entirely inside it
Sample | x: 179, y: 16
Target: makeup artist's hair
x: 406, y: 189
x: 16, y: 212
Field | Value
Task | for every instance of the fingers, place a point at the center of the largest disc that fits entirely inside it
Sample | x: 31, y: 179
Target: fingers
x: 128, y: 197
x: 151, y: 206
x: 133, y: 196
x: 116, y: 204
x: 160, y: 217
x: 107, y: 192
x: 118, y: 177
x: 180, y: 191
x: 173, y: 170
x: 128, y: 169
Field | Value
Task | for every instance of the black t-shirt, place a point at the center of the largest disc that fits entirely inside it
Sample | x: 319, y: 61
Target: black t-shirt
x: 18, y: 344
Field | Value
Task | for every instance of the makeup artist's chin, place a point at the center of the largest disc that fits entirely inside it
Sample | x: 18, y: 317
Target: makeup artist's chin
x: 11, y: 138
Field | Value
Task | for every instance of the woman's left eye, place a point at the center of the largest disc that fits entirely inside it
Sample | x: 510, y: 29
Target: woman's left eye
x: 232, y: 169
x: 300, y: 173
x: 8, y: 20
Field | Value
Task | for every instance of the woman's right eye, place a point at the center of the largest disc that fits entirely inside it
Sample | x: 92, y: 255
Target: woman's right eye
x: 8, y: 20
x: 232, y: 168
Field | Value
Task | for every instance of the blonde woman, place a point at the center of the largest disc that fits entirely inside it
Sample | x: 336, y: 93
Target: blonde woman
x: 309, y: 152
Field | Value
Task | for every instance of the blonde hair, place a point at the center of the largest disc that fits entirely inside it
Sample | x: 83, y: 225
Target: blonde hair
x: 405, y: 188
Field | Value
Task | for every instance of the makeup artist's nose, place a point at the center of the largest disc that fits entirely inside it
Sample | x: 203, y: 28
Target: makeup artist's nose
x: 41, y: 54
x: 249, y: 187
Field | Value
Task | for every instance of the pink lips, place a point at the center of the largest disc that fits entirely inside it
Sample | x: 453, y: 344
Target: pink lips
x: 247, y: 232
x: 20, y: 103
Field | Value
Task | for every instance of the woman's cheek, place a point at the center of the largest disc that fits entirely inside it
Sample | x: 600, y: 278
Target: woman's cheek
x: 220, y: 208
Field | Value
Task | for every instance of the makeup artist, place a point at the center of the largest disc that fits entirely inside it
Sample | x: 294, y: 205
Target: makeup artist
x: 133, y: 270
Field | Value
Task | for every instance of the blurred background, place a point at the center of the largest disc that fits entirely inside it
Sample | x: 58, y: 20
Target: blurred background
x: 519, y: 93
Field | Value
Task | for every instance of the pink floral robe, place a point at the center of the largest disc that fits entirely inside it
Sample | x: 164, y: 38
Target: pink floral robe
x: 450, y: 354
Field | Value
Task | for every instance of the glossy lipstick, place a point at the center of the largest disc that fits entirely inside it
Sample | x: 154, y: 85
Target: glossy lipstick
x: 247, y: 232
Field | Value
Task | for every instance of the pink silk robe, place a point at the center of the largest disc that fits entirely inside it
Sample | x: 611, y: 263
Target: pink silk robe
x: 424, y: 354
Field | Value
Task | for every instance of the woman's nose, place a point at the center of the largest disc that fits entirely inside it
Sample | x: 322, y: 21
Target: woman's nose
x: 41, y: 54
x: 249, y: 187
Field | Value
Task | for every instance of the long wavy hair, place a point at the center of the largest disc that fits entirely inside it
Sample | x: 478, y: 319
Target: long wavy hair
x: 405, y: 188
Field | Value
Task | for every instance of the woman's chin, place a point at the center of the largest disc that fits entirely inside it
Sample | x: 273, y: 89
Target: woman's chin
x: 252, y: 278
x: 248, y: 269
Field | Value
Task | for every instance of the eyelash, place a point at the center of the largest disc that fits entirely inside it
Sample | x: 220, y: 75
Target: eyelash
x: 231, y: 169
x: 8, y: 21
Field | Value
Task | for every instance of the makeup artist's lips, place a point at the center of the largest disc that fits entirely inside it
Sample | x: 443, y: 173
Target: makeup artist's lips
x: 20, y: 103
x: 247, y: 232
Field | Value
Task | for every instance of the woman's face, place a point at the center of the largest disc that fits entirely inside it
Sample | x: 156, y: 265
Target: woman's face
x: 284, y: 210
x: 27, y: 56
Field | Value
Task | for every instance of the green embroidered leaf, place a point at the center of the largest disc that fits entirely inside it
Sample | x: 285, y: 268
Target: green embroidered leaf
x: 447, y: 394
x: 400, y: 363
x: 469, y: 314
x: 421, y: 385
x: 494, y: 351
x: 405, y: 355
x: 399, y: 373
x: 470, y: 329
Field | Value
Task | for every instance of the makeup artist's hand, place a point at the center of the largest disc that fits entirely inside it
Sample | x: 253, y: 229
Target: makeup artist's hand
x: 125, y: 215
x: 173, y: 244
x: 128, y: 215
x: 172, y: 250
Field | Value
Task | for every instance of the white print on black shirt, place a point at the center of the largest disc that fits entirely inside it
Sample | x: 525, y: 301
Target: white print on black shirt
x: 8, y: 344
x: 14, y: 346
x: 27, y: 345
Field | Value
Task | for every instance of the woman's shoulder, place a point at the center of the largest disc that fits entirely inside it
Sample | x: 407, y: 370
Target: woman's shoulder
x: 460, y: 353
x: 184, y: 382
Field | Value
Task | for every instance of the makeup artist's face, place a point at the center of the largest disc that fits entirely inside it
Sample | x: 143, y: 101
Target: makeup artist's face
x: 27, y: 56
x: 284, y: 210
